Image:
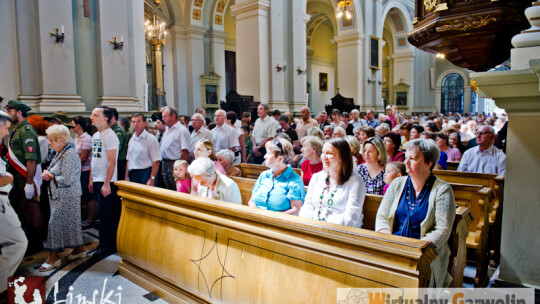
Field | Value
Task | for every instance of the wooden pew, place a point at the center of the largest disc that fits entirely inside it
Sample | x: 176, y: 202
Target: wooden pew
x: 496, y: 183
x: 452, y: 165
x: 253, y: 171
x: 476, y: 198
x: 185, y: 248
x: 457, y: 240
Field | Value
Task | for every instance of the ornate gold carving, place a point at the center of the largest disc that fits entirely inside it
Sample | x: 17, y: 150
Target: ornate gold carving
x: 429, y: 5
x: 441, y: 7
x: 219, y: 19
x: 474, y: 86
x: 415, y: 21
x: 198, y: 3
x: 221, y: 6
x: 468, y: 23
x: 197, y: 14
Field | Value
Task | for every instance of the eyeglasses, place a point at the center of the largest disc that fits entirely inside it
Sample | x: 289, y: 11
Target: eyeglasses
x: 279, y: 146
x: 388, y: 141
x: 483, y: 133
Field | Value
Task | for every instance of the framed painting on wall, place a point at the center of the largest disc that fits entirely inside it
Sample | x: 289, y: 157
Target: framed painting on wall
x: 374, y: 53
x: 323, y: 81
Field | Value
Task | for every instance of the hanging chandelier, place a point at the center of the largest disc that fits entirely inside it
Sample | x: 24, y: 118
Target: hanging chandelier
x: 155, y: 30
x: 344, y: 7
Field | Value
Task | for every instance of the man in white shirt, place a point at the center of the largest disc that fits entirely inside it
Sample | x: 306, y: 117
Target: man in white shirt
x: 174, y: 145
x: 484, y: 158
x: 143, y: 155
x: 223, y: 135
x: 263, y: 131
x: 305, y: 123
x: 103, y: 174
x: 357, y: 122
x: 199, y: 132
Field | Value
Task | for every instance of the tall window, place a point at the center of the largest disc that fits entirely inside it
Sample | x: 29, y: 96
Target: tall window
x: 452, y: 94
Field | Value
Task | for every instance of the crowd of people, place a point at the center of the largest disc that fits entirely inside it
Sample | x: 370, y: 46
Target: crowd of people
x: 342, y: 157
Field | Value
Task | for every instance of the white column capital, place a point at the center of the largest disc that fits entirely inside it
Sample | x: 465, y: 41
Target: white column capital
x: 307, y: 17
x: 217, y: 35
x: 352, y: 39
x: 250, y: 8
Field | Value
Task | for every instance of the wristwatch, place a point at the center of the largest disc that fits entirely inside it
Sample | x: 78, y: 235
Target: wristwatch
x: 152, y: 177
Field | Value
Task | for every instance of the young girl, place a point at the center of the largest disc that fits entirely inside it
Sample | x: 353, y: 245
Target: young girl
x: 393, y: 170
x: 181, y: 176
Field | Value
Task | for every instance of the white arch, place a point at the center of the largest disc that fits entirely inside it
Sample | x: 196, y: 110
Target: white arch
x: 403, y: 11
x: 452, y: 71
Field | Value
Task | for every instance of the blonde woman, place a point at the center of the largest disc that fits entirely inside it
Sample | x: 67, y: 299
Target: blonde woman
x: 372, y: 171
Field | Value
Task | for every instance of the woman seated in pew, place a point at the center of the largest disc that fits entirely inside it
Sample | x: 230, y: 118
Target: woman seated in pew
x: 226, y: 158
x: 205, y: 148
x: 392, y: 143
x: 213, y: 184
x: 336, y: 194
x: 421, y: 206
x: 442, y: 164
x: 372, y: 171
x: 443, y: 143
x: 279, y: 188
x: 311, y: 152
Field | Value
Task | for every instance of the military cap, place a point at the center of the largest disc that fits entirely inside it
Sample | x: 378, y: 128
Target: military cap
x: 61, y: 117
x: 18, y: 105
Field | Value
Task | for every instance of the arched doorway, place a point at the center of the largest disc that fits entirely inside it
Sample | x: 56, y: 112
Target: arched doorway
x: 452, y: 92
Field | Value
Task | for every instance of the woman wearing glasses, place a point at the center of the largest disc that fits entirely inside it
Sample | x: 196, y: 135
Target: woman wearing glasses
x: 336, y: 194
x: 279, y: 188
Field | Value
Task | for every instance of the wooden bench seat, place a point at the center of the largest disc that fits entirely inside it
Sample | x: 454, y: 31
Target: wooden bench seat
x: 496, y: 183
x: 371, y: 206
x: 253, y: 171
x: 185, y: 248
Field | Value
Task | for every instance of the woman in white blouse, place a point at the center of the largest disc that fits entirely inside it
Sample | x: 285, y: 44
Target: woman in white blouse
x: 336, y: 194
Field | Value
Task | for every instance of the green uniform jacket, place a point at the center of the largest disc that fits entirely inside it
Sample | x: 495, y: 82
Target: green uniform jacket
x: 24, y: 144
x: 121, y: 134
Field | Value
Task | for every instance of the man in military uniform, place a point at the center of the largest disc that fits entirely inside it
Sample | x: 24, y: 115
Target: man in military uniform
x: 24, y: 164
x: 122, y: 152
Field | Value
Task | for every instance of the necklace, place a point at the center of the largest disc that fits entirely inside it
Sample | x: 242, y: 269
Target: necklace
x: 329, y: 202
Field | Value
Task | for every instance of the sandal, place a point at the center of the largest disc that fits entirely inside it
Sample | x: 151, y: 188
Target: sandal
x: 48, y: 267
x: 87, y: 225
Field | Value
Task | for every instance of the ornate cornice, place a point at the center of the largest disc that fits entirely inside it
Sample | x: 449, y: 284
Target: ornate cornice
x: 466, y: 24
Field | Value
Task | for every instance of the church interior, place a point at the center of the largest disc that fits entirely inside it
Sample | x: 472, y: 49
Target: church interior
x: 459, y: 56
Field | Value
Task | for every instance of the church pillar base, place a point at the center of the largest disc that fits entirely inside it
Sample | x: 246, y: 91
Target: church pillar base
x: 53, y: 103
x: 121, y: 103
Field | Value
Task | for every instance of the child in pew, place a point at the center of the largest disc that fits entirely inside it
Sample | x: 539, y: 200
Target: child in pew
x: 181, y: 176
x: 249, y: 144
x: 392, y: 171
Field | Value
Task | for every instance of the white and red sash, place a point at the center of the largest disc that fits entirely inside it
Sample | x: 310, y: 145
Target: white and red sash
x: 14, y: 161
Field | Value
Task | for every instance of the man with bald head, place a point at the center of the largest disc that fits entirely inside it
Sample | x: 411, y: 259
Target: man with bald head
x: 484, y: 158
x: 199, y: 132
x: 305, y: 124
x: 223, y: 135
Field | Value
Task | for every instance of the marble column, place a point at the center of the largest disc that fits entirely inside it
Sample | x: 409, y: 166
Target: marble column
x: 351, y: 66
x: 47, y: 68
x: 279, y: 88
x: 518, y: 92
x: 116, y: 69
x: 252, y: 66
x: 217, y: 45
x: 297, y: 58
x: 194, y: 44
x: 403, y: 70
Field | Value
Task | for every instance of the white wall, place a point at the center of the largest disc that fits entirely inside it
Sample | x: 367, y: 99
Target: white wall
x: 9, y: 78
x: 321, y: 98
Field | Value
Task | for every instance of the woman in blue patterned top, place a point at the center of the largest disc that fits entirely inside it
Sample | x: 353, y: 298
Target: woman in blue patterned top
x: 279, y: 188
x: 372, y: 171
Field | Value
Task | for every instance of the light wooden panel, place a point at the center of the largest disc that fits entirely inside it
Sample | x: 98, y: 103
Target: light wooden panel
x: 189, y: 249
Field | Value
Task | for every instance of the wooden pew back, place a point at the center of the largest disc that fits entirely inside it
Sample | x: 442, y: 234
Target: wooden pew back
x: 452, y: 165
x: 493, y: 181
x: 253, y: 171
x: 372, y: 202
x: 192, y: 249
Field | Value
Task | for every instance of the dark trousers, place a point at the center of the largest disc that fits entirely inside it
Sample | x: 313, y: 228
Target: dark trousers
x: 109, y: 209
x: 140, y: 176
x: 168, y: 177
x: 259, y: 159
x: 121, y: 166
